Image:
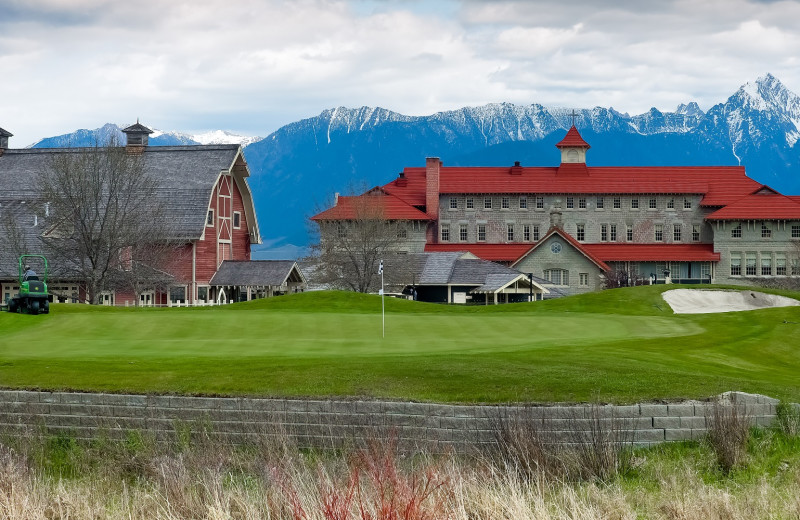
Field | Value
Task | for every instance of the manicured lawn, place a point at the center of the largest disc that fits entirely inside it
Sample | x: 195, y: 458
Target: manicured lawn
x: 622, y: 346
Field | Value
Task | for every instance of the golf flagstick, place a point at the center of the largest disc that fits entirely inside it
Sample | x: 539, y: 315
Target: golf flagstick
x: 383, y: 309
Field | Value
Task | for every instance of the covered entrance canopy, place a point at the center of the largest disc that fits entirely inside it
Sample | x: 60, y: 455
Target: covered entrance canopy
x: 243, y: 280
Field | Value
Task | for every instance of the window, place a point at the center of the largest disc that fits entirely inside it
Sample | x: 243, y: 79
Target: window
x: 705, y: 271
x: 210, y: 218
x: 736, y: 264
x: 523, y: 203
x: 402, y: 232
x: 766, y: 232
x: 766, y: 264
x: 600, y: 202
x: 505, y: 203
x: 780, y: 264
x: 341, y: 230
x: 659, y: 233
x: 617, y: 203
x: 481, y: 232
x: 671, y: 204
x: 535, y: 232
x: 613, y: 232
x: 795, y: 230
x: 634, y: 203
x: 453, y: 203
x: 629, y: 233
x: 470, y: 203
x: 237, y: 220
x: 603, y: 232
x: 736, y: 231
x: 687, y: 204
x: 676, y: 233
x: 580, y: 233
x: 462, y: 232
x: 445, y: 232
x: 582, y: 203
x: 539, y: 202
x: 526, y: 232
x: 570, y: 202
x: 795, y: 266
x: 652, y: 204
x: 510, y: 232
x: 557, y: 276
x: 750, y: 264
x: 695, y: 232
x: 487, y: 203
x: 583, y: 279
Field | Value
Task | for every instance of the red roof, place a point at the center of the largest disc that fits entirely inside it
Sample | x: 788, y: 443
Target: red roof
x: 719, y: 185
x: 573, y: 138
x: 763, y: 204
x: 493, y: 252
x: 569, y: 238
x: 377, y: 203
x: 617, y: 252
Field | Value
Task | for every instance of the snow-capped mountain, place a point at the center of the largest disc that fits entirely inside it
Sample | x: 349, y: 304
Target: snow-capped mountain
x: 158, y: 138
x: 297, y: 168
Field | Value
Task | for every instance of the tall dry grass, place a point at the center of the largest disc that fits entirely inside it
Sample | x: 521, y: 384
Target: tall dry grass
x: 43, y: 478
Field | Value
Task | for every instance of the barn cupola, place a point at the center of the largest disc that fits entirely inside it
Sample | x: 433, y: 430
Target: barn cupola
x: 136, y: 137
x: 4, y: 135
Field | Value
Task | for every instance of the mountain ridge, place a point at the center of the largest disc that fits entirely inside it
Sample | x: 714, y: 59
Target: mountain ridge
x: 296, y: 169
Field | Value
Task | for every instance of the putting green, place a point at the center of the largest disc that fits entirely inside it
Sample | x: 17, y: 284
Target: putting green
x: 622, y: 346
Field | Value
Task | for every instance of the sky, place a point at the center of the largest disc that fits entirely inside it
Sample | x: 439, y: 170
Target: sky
x: 251, y: 66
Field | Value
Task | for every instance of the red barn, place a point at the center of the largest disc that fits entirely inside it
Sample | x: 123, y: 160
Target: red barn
x: 205, y: 194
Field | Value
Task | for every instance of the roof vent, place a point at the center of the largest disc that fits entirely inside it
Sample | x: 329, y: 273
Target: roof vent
x: 4, y: 135
x: 136, y: 137
x: 401, y: 180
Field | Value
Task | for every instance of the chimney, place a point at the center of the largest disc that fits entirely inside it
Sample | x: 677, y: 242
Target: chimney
x: 401, y: 180
x: 516, y: 169
x: 555, y: 215
x: 432, y: 169
x: 136, y: 138
x: 4, y: 135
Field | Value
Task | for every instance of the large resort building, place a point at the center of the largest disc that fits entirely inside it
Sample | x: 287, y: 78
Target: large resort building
x: 578, y: 226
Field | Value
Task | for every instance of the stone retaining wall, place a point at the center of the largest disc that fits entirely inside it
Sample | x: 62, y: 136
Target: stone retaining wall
x: 337, y: 423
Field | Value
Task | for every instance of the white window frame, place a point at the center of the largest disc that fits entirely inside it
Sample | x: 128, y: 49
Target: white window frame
x: 237, y: 220
x: 210, y: 216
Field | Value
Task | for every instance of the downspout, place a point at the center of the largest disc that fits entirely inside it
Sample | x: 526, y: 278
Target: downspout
x: 194, y: 272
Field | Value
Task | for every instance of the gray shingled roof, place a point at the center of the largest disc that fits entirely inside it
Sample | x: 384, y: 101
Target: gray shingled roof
x: 187, y: 175
x: 448, y: 269
x: 254, y: 272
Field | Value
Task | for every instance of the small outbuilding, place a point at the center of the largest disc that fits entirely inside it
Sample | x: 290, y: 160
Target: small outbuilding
x: 244, y: 280
x: 459, y: 277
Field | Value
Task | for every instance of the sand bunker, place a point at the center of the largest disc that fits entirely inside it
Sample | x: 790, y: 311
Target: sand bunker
x: 698, y: 301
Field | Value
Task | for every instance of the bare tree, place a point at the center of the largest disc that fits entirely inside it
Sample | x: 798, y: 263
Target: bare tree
x: 12, y: 242
x: 103, y: 203
x: 352, y: 244
x: 144, y: 265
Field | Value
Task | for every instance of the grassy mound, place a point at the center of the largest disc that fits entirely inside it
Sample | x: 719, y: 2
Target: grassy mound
x: 621, y: 345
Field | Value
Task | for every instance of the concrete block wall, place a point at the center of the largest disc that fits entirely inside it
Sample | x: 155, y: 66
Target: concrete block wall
x: 341, y: 423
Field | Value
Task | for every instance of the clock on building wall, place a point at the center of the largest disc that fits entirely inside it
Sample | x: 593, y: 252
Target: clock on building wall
x: 555, y: 247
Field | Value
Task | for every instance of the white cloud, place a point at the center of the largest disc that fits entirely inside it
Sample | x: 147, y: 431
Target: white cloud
x: 253, y: 65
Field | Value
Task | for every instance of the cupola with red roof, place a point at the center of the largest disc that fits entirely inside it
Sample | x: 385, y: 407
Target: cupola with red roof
x: 573, y: 147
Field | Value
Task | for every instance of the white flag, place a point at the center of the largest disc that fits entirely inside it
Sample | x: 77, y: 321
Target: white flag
x: 380, y: 268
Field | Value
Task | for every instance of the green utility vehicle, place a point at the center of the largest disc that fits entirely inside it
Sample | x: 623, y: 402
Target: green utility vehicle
x: 32, y: 297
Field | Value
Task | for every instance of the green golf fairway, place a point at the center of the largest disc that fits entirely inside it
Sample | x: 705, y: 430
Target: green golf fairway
x: 620, y: 346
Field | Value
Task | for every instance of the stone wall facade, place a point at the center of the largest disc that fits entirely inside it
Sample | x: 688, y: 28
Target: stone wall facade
x: 340, y: 423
